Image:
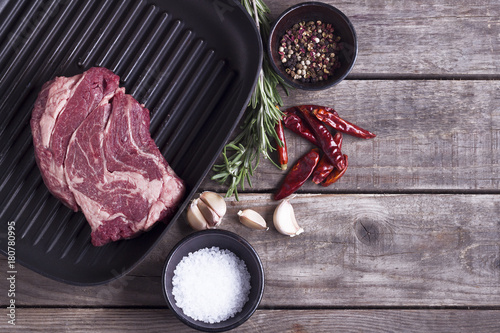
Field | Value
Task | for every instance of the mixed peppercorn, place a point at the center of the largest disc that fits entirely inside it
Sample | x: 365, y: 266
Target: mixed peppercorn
x: 308, y: 51
x: 325, y: 163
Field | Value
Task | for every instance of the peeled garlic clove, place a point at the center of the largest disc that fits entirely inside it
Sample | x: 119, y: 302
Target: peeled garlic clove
x: 215, y: 201
x: 195, y: 217
x: 212, y: 218
x: 284, y: 220
x: 252, y: 219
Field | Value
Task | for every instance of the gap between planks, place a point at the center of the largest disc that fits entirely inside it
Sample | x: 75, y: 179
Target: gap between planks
x: 421, y: 77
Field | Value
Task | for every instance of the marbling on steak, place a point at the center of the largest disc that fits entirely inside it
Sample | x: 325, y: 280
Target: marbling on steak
x: 111, y: 166
x: 62, y: 105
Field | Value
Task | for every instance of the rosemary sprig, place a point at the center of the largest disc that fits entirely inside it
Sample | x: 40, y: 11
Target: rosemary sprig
x: 241, y: 156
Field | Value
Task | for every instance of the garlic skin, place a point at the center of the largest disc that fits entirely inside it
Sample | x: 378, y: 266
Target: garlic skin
x: 194, y: 216
x: 215, y: 201
x: 284, y: 220
x: 206, y: 212
x: 212, y: 218
x: 253, y: 220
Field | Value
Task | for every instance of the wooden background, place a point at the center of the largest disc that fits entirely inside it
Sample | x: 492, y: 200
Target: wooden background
x: 407, y: 241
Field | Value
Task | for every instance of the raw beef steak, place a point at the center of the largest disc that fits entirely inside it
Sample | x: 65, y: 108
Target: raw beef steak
x: 106, y: 162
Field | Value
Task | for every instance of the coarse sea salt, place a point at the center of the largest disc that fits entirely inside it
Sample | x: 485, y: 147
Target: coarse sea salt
x: 211, y: 285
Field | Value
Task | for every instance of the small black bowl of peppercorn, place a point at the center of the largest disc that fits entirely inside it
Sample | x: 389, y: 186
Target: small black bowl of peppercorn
x: 312, y: 46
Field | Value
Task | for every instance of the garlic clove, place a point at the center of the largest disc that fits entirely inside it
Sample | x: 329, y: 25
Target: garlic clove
x: 284, y: 220
x: 206, y: 211
x: 215, y: 201
x: 195, y: 217
x: 212, y: 218
x: 251, y: 219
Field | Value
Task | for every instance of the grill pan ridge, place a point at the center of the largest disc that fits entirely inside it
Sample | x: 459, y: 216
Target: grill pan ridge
x: 183, y: 59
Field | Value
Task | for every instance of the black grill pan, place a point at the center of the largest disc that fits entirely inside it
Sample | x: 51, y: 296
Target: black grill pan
x: 193, y: 63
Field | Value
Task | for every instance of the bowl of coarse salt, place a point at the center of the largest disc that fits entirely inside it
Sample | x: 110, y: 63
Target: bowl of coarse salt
x: 213, y: 280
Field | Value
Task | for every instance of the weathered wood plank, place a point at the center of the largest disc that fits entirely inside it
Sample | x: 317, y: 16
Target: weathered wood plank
x: 364, y: 250
x: 431, y: 136
x: 444, y: 37
x: 357, y: 250
x: 271, y: 321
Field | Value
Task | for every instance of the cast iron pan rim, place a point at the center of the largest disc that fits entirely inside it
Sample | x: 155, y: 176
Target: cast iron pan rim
x: 181, y: 208
x: 214, y: 158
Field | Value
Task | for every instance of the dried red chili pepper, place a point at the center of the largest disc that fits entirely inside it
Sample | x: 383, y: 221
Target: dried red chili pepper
x: 333, y: 120
x: 335, y: 174
x: 298, y: 174
x: 325, y: 167
x: 282, y: 149
x: 325, y: 139
x: 296, y: 124
x: 339, y: 139
x: 311, y: 108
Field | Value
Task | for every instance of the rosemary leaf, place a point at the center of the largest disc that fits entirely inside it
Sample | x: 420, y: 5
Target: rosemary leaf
x: 241, y: 156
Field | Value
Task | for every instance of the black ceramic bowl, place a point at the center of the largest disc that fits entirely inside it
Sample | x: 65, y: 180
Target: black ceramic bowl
x: 224, y: 240
x: 314, y: 11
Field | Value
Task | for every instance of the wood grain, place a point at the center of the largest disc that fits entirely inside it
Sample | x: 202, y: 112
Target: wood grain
x: 268, y: 321
x: 431, y: 136
x: 357, y: 250
x: 438, y: 38
x: 407, y: 241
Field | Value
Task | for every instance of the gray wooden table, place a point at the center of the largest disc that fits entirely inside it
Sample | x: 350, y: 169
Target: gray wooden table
x: 407, y: 241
